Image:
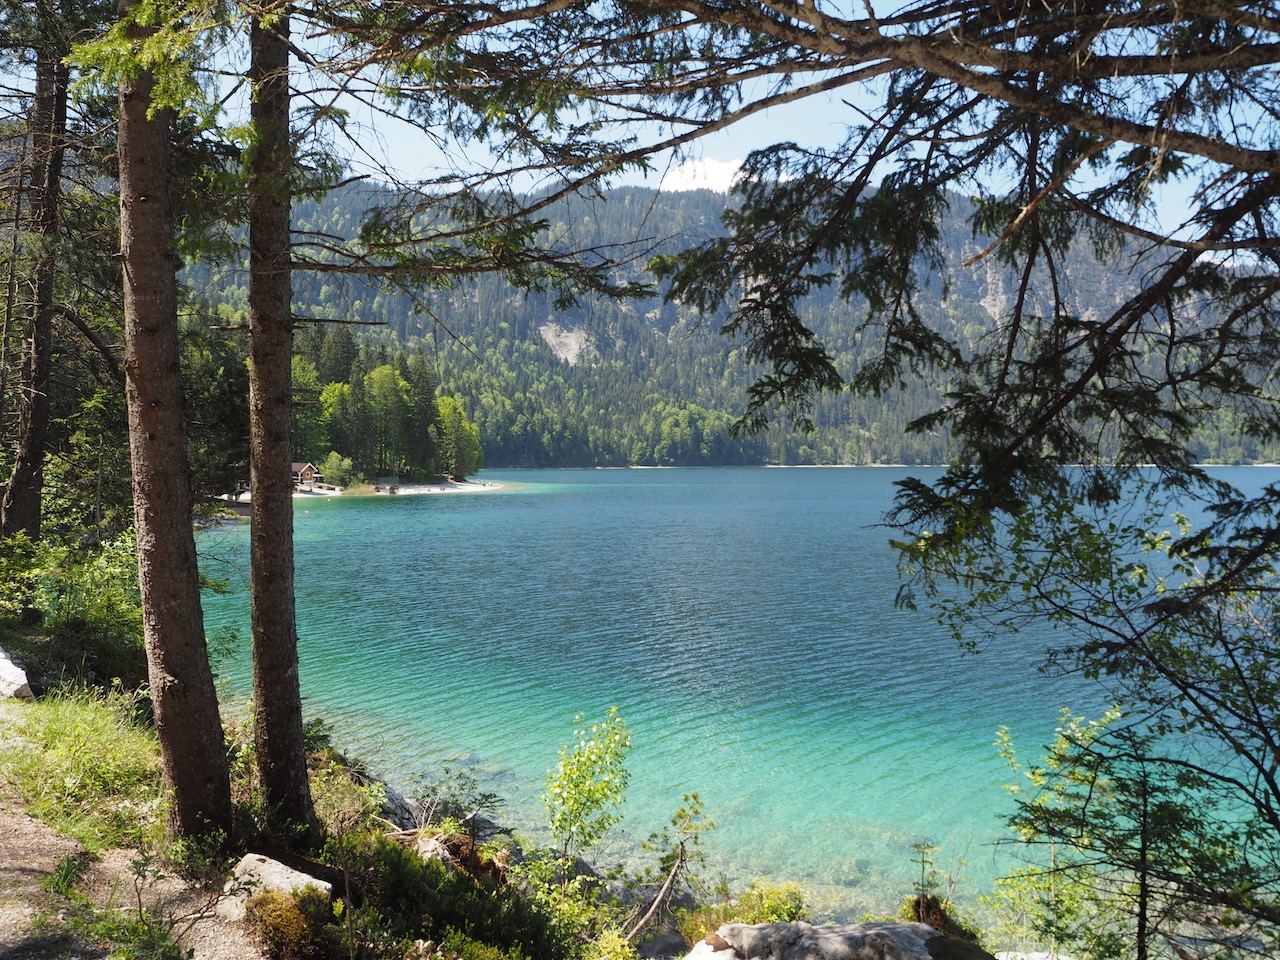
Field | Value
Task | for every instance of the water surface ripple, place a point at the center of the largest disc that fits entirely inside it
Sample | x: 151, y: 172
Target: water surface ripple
x: 741, y: 619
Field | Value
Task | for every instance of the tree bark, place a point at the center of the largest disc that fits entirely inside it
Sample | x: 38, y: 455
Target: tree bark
x: 277, y: 698
x: 182, y: 689
x: 20, y: 510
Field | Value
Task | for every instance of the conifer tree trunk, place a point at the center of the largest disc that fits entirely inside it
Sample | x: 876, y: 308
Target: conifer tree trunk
x: 182, y: 690
x: 20, y: 510
x: 277, y: 700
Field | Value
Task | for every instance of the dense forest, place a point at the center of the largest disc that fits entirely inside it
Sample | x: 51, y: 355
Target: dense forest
x: 614, y: 382
x: 361, y: 411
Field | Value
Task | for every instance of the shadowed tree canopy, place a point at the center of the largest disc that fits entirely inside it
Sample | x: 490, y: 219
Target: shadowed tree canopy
x: 1145, y: 130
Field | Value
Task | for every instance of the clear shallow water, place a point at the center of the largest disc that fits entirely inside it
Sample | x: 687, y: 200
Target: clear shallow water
x: 741, y: 619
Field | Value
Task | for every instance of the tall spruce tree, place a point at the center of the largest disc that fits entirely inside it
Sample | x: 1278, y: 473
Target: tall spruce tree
x: 40, y: 40
x: 47, y: 31
x: 277, y: 697
x: 193, y: 755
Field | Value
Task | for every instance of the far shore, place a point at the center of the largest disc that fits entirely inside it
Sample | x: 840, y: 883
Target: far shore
x: 239, y: 503
x: 403, y: 489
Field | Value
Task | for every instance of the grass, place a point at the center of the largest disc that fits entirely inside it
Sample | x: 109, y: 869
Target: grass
x: 89, y: 768
x: 86, y: 762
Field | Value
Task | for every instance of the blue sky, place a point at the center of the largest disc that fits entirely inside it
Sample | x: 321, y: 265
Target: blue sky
x: 819, y: 120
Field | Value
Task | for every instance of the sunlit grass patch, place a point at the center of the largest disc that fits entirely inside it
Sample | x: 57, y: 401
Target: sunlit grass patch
x: 84, y: 763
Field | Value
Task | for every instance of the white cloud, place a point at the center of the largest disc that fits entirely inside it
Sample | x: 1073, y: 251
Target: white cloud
x: 702, y: 174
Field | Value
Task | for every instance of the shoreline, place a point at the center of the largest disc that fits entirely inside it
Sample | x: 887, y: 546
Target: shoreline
x: 404, y: 489
x: 239, y: 504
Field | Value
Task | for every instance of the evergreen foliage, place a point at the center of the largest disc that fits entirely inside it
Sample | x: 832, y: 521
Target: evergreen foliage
x: 642, y: 380
x: 384, y: 414
x: 1159, y: 821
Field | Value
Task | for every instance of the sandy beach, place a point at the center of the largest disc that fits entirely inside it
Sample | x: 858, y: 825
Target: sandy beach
x: 407, y: 489
x: 240, y: 504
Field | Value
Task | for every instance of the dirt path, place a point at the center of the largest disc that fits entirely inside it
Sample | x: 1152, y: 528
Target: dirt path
x: 34, y: 923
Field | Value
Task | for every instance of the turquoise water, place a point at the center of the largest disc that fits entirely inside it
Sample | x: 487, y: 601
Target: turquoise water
x: 741, y: 619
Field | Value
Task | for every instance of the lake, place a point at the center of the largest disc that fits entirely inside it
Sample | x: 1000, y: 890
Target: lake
x: 742, y: 620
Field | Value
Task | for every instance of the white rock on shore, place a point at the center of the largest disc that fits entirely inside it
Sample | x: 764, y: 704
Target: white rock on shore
x: 890, y: 940
x: 256, y: 874
x: 13, y: 680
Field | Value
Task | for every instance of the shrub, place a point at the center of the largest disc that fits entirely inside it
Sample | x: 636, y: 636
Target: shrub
x: 585, y: 792
x: 458, y: 946
x: 937, y: 913
x: 762, y: 902
x: 611, y: 945
x: 425, y: 900
x: 89, y: 603
x: 127, y: 927
x: 201, y: 859
x: 21, y: 564
x: 292, y: 925
x: 573, y: 900
x: 341, y: 803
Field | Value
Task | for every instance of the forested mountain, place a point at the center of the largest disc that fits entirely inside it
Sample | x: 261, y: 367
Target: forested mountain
x: 615, y: 382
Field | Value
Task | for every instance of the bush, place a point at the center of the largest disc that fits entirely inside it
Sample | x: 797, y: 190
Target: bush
x: 763, y: 902
x: 292, y: 925
x: 99, y: 588
x: 425, y: 900
x: 937, y: 913
x: 458, y: 946
x: 21, y: 563
x: 341, y: 803
x: 89, y: 604
x: 574, y: 900
x: 586, y: 790
x: 611, y: 945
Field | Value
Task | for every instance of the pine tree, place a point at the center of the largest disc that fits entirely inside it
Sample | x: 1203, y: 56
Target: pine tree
x: 193, y: 755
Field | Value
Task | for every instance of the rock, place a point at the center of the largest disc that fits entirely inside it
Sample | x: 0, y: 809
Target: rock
x: 256, y: 874
x: 664, y: 943
x: 404, y: 813
x: 890, y: 940
x: 13, y: 680
x: 433, y: 847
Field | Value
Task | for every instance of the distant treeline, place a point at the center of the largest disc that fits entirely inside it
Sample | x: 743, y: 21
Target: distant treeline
x: 654, y: 383
x: 362, y: 411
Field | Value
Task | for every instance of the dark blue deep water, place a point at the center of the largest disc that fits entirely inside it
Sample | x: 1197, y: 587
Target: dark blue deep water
x: 741, y: 619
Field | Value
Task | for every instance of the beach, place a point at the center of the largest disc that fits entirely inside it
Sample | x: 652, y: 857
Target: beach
x: 239, y: 503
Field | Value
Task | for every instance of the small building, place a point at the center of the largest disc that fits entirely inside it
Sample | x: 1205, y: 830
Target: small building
x: 305, y: 474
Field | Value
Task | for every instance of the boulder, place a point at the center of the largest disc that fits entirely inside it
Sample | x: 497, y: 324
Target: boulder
x: 13, y: 680
x: 433, y: 847
x: 889, y: 940
x: 256, y: 874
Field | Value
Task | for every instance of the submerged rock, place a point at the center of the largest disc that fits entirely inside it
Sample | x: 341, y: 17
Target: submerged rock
x: 890, y: 940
